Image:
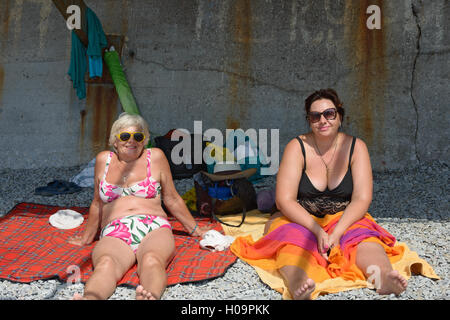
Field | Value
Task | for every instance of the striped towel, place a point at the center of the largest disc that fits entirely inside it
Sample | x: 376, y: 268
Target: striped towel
x: 287, y: 243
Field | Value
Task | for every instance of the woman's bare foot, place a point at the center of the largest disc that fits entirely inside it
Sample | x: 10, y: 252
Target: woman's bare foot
x: 86, y: 296
x: 142, y: 294
x: 78, y: 296
x: 392, y: 282
x: 304, y: 290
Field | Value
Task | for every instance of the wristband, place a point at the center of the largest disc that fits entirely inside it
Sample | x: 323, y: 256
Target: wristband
x: 193, y: 230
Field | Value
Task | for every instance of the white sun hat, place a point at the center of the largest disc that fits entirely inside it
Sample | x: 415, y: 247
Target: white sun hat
x: 66, y: 219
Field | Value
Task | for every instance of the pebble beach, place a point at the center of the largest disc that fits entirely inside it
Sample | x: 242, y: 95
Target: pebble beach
x: 412, y: 204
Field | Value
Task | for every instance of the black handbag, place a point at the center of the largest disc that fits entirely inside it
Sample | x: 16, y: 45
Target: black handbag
x: 183, y: 170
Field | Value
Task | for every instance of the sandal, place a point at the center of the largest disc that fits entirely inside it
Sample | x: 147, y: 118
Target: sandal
x: 57, y: 187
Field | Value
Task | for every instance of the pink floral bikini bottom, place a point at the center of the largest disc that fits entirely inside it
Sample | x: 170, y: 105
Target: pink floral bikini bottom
x: 132, y: 229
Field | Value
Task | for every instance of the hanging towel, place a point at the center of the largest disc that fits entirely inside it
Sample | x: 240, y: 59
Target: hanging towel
x: 96, y: 42
x: 95, y: 67
x: 77, y: 67
x: 78, y: 64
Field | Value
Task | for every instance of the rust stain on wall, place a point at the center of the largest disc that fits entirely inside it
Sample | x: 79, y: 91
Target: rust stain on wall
x: 2, y: 82
x: 82, y: 128
x: 241, y: 26
x: 81, y: 144
x: 124, y: 15
x: 116, y: 18
x: 97, y: 119
x: 4, y: 11
x: 367, y: 56
x: 233, y: 123
x: 4, y: 23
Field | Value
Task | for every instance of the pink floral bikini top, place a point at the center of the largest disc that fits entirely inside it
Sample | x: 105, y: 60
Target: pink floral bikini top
x: 147, y: 189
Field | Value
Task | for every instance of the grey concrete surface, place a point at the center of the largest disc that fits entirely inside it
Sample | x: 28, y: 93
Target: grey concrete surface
x: 231, y: 64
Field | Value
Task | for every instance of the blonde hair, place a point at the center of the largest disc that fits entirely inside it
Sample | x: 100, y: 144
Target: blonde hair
x: 126, y: 120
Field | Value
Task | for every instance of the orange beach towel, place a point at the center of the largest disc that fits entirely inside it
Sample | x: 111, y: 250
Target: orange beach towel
x: 287, y: 243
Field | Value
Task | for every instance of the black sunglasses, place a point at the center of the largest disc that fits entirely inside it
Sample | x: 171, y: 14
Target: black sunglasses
x: 329, y: 114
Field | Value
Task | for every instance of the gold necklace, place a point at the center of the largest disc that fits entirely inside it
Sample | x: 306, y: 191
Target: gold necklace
x: 332, y: 157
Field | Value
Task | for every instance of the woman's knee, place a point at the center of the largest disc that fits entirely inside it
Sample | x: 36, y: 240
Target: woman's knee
x: 370, y: 255
x: 108, y: 264
x: 369, y: 248
x: 150, y: 260
x: 104, y: 262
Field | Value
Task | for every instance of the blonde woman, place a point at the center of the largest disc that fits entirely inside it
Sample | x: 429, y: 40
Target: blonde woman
x: 129, y: 184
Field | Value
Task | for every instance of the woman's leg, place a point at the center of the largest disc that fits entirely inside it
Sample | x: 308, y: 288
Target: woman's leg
x: 270, y: 221
x: 111, y: 258
x: 299, y: 285
x: 373, y: 261
x: 153, y: 255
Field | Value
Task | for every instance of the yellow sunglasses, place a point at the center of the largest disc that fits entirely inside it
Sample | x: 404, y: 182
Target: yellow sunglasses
x: 125, y: 136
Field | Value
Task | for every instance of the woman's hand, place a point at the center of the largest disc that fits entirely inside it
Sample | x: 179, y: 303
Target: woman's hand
x: 78, y: 241
x: 201, y: 231
x: 334, y: 239
x: 323, y: 242
x: 197, y: 231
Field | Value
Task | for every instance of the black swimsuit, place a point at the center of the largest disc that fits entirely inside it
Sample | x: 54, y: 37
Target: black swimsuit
x: 320, y: 203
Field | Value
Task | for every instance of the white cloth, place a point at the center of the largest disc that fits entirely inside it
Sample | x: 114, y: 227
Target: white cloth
x: 86, y: 177
x: 66, y: 219
x: 215, y: 241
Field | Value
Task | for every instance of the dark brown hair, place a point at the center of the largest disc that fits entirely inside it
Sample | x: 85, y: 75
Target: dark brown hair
x: 329, y: 94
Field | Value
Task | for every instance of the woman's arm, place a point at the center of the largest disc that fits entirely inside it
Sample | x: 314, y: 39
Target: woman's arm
x: 172, y: 200
x: 95, y: 210
x: 288, y: 179
x: 362, y: 191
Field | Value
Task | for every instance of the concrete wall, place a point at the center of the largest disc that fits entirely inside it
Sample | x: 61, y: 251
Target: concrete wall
x: 232, y: 64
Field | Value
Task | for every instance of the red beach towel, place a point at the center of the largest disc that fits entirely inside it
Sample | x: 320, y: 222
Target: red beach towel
x: 31, y: 249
